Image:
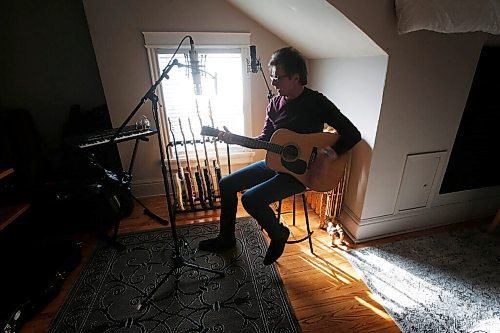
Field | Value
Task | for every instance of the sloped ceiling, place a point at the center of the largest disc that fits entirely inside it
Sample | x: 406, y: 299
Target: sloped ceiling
x: 314, y: 27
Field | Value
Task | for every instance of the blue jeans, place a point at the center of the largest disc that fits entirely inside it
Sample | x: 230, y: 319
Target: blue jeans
x: 264, y: 186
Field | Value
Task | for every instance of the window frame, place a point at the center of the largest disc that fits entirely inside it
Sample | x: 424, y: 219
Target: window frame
x: 155, y: 42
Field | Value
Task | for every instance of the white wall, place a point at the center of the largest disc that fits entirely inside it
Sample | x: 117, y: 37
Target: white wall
x: 427, y: 83
x: 356, y: 86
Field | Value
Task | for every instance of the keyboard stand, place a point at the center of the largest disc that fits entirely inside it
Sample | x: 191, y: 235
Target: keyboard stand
x: 127, y: 178
x: 124, y: 183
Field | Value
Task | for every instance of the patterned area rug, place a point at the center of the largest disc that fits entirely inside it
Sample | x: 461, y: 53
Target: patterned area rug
x: 249, y: 298
x: 442, y: 283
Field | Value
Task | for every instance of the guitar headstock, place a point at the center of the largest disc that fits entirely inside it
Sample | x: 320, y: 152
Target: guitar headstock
x: 209, y: 131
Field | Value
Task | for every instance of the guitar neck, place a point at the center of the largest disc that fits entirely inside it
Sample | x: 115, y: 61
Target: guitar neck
x: 245, y: 141
x: 187, y: 155
x: 177, y: 159
x: 256, y: 144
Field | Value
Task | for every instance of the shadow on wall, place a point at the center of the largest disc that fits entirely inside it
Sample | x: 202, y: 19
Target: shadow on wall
x: 361, y: 156
x: 20, y: 148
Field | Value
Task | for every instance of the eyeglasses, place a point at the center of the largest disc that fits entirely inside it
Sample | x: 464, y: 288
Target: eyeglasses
x: 277, y: 78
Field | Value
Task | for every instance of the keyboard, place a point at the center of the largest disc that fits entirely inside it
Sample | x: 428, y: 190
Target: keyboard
x: 130, y: 132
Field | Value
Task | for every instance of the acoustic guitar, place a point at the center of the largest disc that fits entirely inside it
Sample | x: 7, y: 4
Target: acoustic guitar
x: 294, y: 154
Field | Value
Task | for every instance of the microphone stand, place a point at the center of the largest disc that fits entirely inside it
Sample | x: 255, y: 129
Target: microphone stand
x: 178, y: 260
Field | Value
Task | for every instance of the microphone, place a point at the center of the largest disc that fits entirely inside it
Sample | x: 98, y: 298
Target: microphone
x: 254, y: 62
x: 195, y: 68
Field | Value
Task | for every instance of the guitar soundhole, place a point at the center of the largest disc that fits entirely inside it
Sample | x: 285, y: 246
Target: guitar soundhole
x: 290, y: 153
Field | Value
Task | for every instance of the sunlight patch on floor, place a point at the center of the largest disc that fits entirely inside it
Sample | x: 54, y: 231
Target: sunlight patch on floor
x: 397, y: 297
x: 487, y: 325
x: 377, y: 311
x: 333, y: 274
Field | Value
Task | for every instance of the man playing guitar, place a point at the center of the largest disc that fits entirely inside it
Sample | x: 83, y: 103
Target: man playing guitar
x: 296, y: 108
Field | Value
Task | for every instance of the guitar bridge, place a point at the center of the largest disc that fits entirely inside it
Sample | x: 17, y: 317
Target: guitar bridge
x: 312, y: 158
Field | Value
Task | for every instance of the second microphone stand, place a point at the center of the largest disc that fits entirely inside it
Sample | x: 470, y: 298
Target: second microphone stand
x: 258, y: 66
x: 269, y: 91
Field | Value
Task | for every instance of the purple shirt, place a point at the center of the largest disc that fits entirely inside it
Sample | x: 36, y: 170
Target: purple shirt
x: 307, y: 114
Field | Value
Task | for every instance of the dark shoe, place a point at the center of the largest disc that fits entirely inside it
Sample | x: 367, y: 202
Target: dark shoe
x: 217, y: 244
x: 276, y: 247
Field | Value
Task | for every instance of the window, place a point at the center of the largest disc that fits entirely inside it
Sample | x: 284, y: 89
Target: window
x: 225, y: 91
x: 222, y: 91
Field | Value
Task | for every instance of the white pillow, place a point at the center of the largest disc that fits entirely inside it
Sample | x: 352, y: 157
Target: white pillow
x: 448, y: 16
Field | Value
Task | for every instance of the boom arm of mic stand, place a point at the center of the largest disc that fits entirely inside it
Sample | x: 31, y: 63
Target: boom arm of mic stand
x: 150, y: 94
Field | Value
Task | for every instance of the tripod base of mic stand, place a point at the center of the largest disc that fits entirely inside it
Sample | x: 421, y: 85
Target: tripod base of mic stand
x: 154, y: 216
x: 148, y: 212
x: 179, y: 262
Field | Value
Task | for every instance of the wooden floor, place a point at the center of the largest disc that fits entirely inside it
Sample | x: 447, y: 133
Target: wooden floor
x: 326, y: 293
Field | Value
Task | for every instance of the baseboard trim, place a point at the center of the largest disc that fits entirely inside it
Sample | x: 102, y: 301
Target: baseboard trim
x: 148, y: 188
x: 380, y: 227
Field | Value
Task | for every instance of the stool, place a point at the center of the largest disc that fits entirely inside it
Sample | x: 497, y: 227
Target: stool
x: 309, y: 232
